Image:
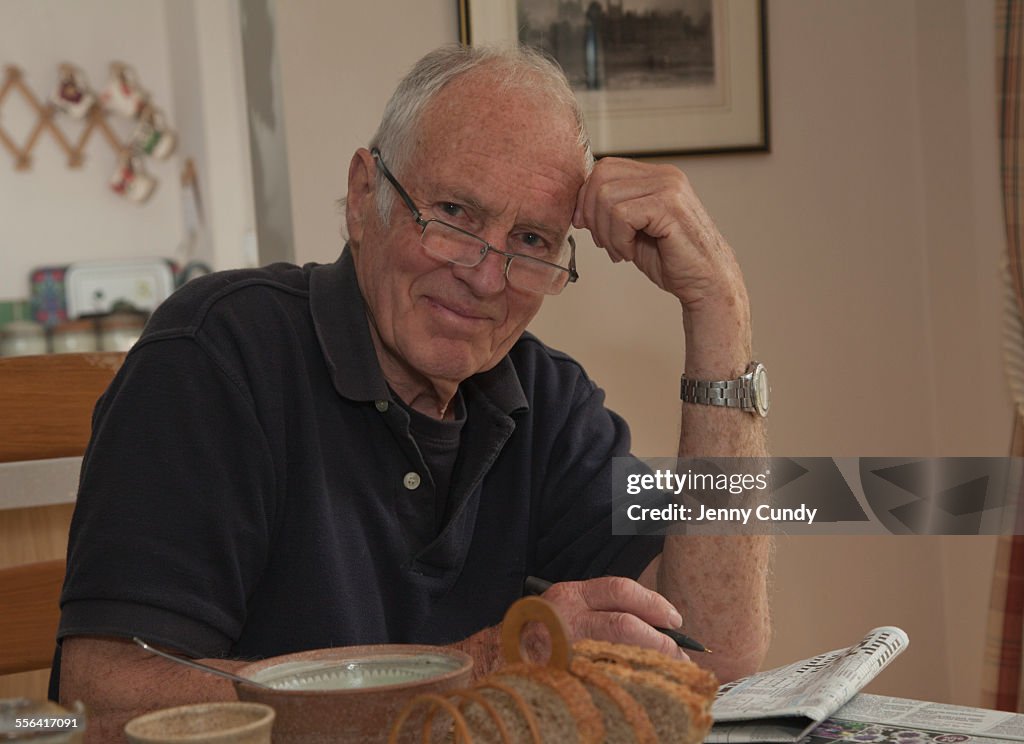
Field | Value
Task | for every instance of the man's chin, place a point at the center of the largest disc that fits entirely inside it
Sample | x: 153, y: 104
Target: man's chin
x: 452, y: 362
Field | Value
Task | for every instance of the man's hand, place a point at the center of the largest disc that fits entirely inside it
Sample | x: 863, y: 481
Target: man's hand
x: 648, y: 214
x: 615, y: 609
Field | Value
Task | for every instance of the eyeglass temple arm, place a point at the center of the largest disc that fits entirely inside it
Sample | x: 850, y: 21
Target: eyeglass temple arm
x: 573, y: 274
x: 401, y: 192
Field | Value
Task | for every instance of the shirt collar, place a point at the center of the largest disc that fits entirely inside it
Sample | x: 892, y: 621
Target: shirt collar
x: 340, y: 319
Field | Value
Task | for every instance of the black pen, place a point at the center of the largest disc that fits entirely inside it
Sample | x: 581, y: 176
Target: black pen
x: 533, y: 585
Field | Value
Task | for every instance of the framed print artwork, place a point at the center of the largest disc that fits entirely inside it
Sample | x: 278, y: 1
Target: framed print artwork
x: 654, y: 77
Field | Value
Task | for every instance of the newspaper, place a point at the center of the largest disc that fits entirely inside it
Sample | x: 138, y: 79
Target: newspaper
x: 876, y: 719
x: 785, y: 704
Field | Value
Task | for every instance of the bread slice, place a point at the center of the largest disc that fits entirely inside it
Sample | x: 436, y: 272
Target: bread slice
x: 679, y: 715
x: 517, y: 720
x: 560, y: 703
x: 432, y: 704
x: 625, y: 720
x: 683, y: 672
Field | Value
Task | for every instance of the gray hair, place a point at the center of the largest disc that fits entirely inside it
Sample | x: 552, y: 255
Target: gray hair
x: 520, y: 67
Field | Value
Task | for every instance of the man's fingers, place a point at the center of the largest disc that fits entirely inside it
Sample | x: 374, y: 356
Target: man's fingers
x: 619, y: 594
x: 617, y: 609
x: 621, y: 627
x: 615, y: 593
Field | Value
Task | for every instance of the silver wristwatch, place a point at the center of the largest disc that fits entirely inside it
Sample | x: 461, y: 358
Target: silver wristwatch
x: 750, y: 392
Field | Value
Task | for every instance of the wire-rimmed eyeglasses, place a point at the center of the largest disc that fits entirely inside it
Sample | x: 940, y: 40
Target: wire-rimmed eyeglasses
x: 524, y: 271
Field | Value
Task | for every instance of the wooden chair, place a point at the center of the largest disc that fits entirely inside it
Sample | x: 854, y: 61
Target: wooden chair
x: 46, y: 405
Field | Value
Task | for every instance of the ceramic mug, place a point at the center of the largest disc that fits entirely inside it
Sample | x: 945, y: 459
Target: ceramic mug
x: 204, y: 723
x: 152, y: 135
x: 122, y: 93
x: 72, y: 95
x: 130, y: 180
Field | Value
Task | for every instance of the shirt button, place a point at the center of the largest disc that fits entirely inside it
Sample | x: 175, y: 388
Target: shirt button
x: 381, y: 405
x: 411, y: 481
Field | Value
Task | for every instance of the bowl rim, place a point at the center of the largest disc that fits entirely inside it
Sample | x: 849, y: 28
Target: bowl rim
x: 267, y: 716
x: 340, y: 653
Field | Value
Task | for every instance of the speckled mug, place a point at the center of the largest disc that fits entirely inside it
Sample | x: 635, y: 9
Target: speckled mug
x: 204, y: 723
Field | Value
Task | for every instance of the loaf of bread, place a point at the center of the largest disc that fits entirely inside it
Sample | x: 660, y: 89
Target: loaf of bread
x: 604, y: 697
x: 589, y: 693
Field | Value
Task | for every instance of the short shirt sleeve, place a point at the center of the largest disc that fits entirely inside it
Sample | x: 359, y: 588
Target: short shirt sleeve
x: 576, y: 539
x: 168, y: 544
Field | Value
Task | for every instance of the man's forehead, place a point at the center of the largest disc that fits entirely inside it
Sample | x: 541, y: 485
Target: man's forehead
x: 483, y: 103
x: 493, y: 201
x: 492, y: 180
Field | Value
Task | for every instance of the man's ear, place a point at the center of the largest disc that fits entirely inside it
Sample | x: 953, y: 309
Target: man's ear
x: 362, y: 184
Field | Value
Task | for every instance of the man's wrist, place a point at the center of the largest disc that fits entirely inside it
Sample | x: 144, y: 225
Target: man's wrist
x: 485, y: 648
x: 718, y: 345
x: 720, y: 316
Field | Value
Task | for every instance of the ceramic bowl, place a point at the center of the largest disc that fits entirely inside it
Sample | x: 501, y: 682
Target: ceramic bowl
x: 351, y: 694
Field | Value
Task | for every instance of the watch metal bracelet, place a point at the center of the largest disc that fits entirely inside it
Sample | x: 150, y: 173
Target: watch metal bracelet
x: 728, y: 393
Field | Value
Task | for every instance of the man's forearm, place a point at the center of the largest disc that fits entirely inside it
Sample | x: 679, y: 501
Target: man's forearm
x: 720, y: 583
x: 118, y: 681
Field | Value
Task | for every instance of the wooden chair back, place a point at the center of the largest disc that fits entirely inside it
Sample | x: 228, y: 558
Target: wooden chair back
x: 29, y: 594
x: 46, y: 405
x: 46, y: 402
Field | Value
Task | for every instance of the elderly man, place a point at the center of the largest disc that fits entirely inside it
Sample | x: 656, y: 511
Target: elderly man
x: 375, y: 450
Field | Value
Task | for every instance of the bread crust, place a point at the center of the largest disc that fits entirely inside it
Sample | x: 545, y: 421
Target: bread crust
x: 696, y: 706
x: 632, y: 711
x: 683, y: 672
x: 435, y: 702
x: 589, y: 722
x: 521, y: 705
x: 474, y: 696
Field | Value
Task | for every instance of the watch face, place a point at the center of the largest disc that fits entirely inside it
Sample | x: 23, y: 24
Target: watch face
x: 762, y: 392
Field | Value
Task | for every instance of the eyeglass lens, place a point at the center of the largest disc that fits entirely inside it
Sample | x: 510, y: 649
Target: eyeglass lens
x: 450, y: 244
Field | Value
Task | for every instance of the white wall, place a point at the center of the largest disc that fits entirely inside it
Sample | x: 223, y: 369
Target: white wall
x: 186, y: 54
x: 52, y: 214
x: 870, y: 240
x: 339, y: 64
x: 209, y: 88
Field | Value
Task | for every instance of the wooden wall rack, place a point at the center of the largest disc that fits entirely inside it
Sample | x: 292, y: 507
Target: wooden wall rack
x: 96, y: 119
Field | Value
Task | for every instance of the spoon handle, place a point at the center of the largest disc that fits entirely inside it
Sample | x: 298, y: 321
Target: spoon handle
x: 200, y: 667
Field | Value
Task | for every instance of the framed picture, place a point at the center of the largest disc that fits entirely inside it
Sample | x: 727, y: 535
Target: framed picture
x: 654, y: 77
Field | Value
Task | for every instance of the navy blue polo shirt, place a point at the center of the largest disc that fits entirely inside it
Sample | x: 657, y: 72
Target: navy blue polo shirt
x: 245, y: 488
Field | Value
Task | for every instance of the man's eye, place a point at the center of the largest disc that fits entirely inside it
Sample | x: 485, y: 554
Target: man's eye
x: 531, y: 243
x: 451, y: 209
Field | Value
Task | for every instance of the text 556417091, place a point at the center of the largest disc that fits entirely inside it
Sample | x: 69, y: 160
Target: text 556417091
x: 47, y: 723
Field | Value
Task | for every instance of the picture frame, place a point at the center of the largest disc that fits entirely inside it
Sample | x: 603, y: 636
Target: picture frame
x: 656, y: 78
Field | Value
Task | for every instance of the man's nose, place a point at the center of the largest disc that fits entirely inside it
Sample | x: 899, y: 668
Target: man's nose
x: 487, y: 277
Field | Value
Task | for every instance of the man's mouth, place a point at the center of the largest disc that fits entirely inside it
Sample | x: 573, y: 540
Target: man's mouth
x: 457, y: 311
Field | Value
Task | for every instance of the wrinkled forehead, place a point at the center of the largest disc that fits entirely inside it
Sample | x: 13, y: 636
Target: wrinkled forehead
x: 511, y: 116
